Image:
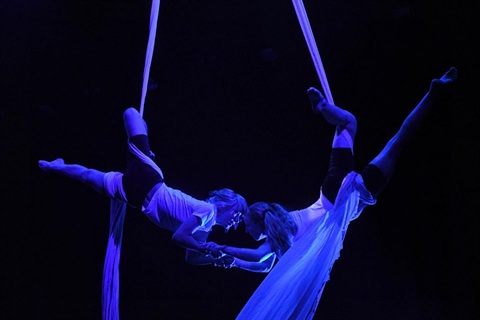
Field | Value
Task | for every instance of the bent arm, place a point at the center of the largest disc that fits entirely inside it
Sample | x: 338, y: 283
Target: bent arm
x: 183, y: 237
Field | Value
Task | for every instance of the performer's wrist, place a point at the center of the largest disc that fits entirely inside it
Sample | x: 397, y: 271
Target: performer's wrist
x: 204, y: 249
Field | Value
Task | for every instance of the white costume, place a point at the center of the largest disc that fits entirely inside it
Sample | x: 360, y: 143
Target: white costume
x: 164, y: 206
x: 293, y: 288
x: 169, y: 208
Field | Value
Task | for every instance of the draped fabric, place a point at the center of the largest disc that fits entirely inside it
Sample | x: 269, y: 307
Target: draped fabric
x: 111, y: 270
x: 144, y: 158
x: 293, y: 288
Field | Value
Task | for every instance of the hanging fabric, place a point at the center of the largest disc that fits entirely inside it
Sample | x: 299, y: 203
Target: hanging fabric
x: 111, y: 268
x: 292, y: 290
x: 149, y: 53
x: 312, y: 46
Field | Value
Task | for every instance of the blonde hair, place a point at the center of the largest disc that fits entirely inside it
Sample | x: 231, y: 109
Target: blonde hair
x: 225, y: 199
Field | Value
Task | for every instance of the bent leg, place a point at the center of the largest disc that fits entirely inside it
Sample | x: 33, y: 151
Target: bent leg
x: 341, y: 158
x: 139, y: 176
x: 345, y: 122
x: 388, y: 157
x: 136, y: 126
x: 91, y: 177
x: 134, y: 123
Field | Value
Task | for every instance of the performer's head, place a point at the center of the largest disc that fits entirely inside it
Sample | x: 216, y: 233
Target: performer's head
x: 272, y: 221
x: 231, y: 207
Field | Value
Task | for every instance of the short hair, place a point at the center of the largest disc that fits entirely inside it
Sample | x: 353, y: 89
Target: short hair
x: 225, y: 199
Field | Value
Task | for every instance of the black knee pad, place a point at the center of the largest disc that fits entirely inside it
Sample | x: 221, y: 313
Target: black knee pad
x: 341, y: 163
x: 374, y: 179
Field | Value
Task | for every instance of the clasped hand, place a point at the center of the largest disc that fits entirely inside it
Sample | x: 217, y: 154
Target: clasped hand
x: 214, y: 249
x: 220, y: 259
x: 224, y: 261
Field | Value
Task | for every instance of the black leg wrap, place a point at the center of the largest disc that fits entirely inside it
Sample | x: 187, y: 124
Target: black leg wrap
x: 374, y: 179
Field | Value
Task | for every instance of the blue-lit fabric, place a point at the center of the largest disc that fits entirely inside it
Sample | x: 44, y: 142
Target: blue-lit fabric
x: 312, y: 47
x: 149, y: 52
x: 111, y: 267
x: 293, y: 288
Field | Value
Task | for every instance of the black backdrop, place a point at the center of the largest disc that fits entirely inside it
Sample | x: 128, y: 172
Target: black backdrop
x: 227, y: 108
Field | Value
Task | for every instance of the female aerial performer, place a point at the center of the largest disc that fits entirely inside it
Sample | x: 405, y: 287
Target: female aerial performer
x: 142, y: 186
x: 308, y: 241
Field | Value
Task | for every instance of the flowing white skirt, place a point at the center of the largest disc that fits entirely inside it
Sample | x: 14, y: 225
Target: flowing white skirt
x: 293, y: 288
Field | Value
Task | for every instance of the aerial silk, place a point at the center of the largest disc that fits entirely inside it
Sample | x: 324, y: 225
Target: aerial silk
x: 312, y: 46
x: 293, y: 288
x: 111, y: 268
x: 149, y: 53
x: 335, y: 228
x: 111, y: 271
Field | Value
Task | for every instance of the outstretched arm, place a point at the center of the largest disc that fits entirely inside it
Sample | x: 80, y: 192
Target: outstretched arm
x: 227, y: 262
x: 260, y: 259
x: 199, y: 258
x: 262, y: 266
x: 248, y: 254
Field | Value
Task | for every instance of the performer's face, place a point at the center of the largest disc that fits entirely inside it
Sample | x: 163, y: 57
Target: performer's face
x: 234, y: 221
x: 253, y: 229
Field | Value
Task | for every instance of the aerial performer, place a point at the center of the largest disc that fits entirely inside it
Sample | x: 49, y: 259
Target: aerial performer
x: 307, y: 242
x: 142, y: 186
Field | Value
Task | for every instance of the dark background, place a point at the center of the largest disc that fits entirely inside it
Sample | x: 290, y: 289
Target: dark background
x: 227, y: 108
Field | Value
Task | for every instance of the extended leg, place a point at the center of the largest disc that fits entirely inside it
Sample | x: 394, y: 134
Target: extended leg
x: 91, y: 177
x: 134, y: 126
x: 388, y: 157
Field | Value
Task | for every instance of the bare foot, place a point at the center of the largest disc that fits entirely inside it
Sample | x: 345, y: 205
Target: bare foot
x: 49, y: 166
x: 317, y: 100
x: 449, y: 77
